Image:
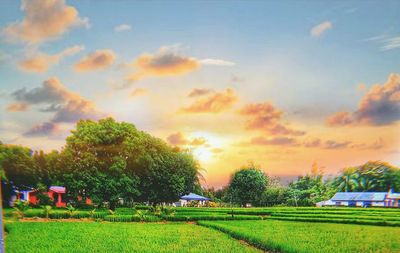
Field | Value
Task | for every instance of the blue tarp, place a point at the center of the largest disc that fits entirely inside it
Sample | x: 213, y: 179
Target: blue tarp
x: 193, y: 196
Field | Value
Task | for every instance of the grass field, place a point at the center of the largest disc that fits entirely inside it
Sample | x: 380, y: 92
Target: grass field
x: 117, y: 237
x: 285, y: 236
x: 278, y: 229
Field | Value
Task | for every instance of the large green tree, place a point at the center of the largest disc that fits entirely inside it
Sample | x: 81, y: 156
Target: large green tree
x: 109, y: 161
x: 247, y: 185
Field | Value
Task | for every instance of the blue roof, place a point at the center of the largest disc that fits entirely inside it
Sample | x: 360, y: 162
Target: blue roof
x: 193, y: 196
x: 359, y: 196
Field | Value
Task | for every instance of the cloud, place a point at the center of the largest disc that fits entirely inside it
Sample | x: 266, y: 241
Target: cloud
x: 216, y: 62
x: 68, y: 107
x: 328, y: 144
x: 138, y: 92
x: 44, y: 129
x: 320, y: 29
x: 122, y: 28
x: 199, y: 92
x: 214, y: 103
x: 76, y: 109
x: 378, y: 144
x: 97, y: 60
x: 390, y: 43
x: 44, y: 20
x: 198, y: 141
x: 313, y: 143
x: 51, y: 91
x: 179, y: 139
x: 275, y: 141
x: 331, y: 144
x: 379, y: 106
x: 40, y: 62
x: 265, y: 117
x: 17, y: 107
x: 167, y: 61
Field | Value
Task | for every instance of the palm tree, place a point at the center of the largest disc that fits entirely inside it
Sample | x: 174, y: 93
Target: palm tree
x: 347, y: 181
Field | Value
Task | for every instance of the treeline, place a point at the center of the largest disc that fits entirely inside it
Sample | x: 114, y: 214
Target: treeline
x: 105, y: 161
x: 250, y: 185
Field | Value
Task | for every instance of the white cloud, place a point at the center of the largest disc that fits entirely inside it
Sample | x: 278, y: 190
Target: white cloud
x: 122, y: 28
x: 321, y: 28
x: 390, y: 43
x: 217, y: 62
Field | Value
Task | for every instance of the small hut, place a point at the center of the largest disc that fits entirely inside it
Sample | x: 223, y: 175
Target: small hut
x: 57, y: 194
x: 184, y: 200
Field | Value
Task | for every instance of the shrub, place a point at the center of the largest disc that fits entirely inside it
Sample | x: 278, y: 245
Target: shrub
x: 46, y: 211
x: 20, y: 208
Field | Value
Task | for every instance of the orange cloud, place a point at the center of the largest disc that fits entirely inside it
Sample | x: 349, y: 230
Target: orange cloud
x: 199, y: 92
x: 379, y: 106
x: 265, y: 117
x: 138, y: 92
x: 166, y: 62
x: 44, y: 20
x: 179, y: 139
x: 215, y: 103
x: 44, y: 129
x: 40, y: 62
x: 17, y: 107
x: 276, y: 141
x: 97, y: 60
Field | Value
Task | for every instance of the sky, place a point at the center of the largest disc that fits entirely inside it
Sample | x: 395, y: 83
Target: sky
x: 281, y: 84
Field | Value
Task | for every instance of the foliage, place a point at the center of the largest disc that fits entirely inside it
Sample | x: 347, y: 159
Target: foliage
x: 20, y: 208
x: 309, y: 189
x: 371, y: 176
x: 46, y: 211
x: 247, y: 184
x: 107, y: 161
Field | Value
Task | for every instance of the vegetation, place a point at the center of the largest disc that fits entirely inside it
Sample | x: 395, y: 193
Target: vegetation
x: 106, y: 161
x: 284, y: 236
x: 117, y: 237
x: 247, y: 184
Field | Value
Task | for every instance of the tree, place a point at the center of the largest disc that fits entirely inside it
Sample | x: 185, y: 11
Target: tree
x: 371, y: 176
x: 309, y: 189
x: 247, y: 185
x: 109, y: 161
x: 17, y: 168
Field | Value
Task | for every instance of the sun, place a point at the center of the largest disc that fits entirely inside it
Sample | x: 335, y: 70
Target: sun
x: 202, y: 154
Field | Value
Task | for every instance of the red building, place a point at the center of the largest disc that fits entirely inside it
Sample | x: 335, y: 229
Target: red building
x: 57, y: 194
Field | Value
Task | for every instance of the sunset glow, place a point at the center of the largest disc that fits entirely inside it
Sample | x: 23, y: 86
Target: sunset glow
x: 281, y: 87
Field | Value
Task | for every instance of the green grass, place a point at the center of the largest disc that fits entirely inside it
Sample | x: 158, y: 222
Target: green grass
x: 288, y: 236
x: 117, y: 237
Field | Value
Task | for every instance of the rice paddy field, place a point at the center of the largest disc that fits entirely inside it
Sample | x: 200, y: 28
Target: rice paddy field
x: 278, y: 229
x: 118, y: 237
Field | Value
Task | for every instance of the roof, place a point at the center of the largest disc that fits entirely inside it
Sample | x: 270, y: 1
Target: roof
x: 193, y: 196
x: 58, y: 189
x: 359, y: 196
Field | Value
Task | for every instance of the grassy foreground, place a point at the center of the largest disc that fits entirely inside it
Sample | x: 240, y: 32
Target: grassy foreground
x: 287, y: 236
x: 117, y: 237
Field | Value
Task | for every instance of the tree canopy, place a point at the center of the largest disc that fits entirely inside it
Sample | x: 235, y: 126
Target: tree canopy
x: 247, y: 185
x: 107, y: 161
